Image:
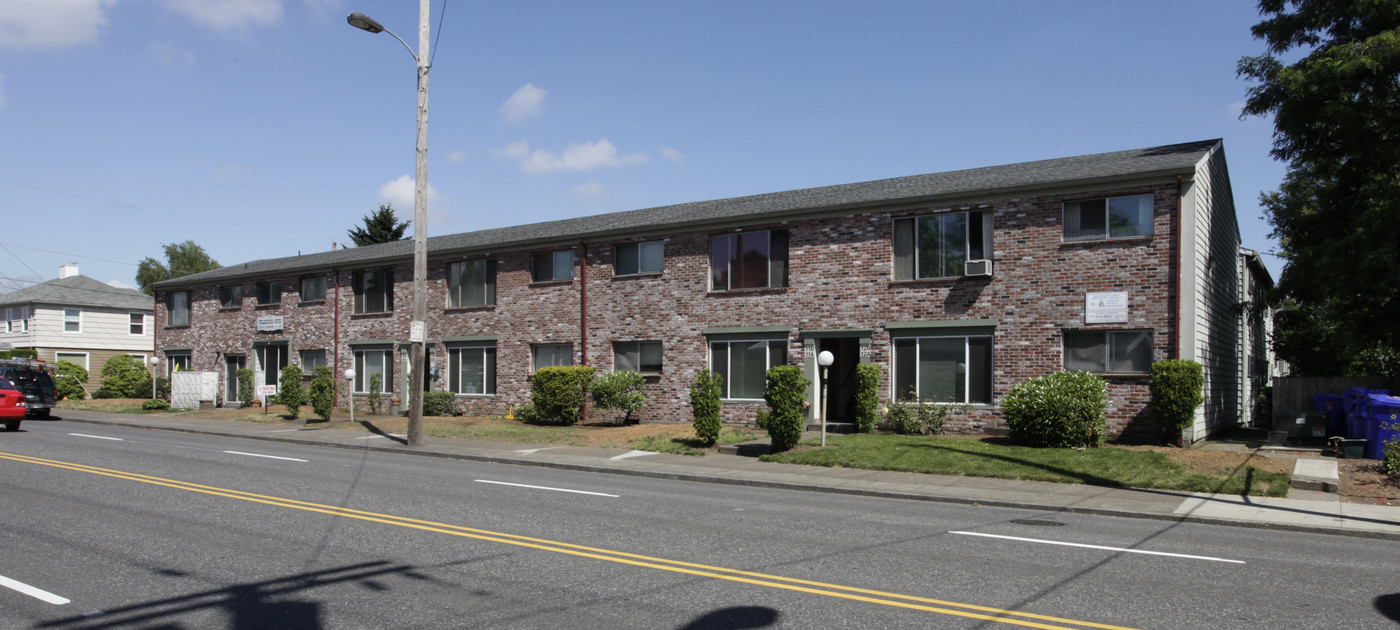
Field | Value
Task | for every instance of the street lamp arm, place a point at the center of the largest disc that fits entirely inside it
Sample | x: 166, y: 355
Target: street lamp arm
x: 367, y: 24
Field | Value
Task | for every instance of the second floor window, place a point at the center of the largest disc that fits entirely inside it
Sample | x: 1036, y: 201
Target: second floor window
x: 177, y: 306
x: 269, y: 292
x: 231, y: 296
x: 939, y: 245
x: 313, y: 288
x: 634, y: 258
x: 471, y: 283
x: 749, y: 260
x: 547, y: 266
x: 137, y: 324
x: 73, y: 320
x: 1114, y: 217
x: 374, y: 291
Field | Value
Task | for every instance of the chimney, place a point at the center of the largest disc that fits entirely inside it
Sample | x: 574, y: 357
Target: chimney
x: 67, y: 271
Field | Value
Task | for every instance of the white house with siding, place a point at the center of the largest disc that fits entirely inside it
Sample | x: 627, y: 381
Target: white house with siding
x: 78, y: 319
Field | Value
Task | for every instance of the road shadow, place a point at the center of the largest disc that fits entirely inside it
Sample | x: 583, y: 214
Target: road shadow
x: 1389, y: 605
x: 734, y: 618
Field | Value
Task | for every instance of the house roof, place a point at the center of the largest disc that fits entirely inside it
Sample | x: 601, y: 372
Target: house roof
x: 80, y: 291
x: 1154, y: 161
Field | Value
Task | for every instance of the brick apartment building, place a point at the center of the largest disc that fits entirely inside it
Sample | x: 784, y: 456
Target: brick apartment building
x: 958, y: 284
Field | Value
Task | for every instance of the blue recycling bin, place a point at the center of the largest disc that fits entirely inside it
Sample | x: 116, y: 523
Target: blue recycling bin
x: 1331, y: 406
x: 1353, y: 408
x: 1382, y: 415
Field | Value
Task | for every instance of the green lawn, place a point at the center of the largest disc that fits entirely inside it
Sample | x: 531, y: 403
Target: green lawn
x: 1107, y: 466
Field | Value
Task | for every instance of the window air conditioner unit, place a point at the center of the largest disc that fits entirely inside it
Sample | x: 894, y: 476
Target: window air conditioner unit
x: 976, y: 268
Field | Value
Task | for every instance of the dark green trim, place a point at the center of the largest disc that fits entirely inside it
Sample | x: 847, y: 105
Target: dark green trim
x: 745, y: 330
x: 372, y: 342
x: 177, y: 349
x: 271, y: 342
x: 469, y: 339
x: 944, y: 323
x: 841, y: 332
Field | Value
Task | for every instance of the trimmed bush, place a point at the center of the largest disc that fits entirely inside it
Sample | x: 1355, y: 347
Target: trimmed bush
x: 559, y: 393
x: 526, y: 413
x: 1390, y: 452
x: 439, y: 403
x: 155, y: 404
x: 918, y: 417
x: 245, y: 387
x: 786, y: 393
x: 705, y: 405
x: 867, y: 396
x: 19, y: 353
x: 1176, y: 393
x: 1062, y: 409
x: 376, y: 383
x: 321, y: 392
x: 125, y: 376
x: 290, y: 392
x: 68, y: 380
x: 620, y: 390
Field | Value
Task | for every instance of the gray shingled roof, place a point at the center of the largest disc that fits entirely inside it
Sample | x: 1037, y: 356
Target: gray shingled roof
x: 80, y: 291
x: 1178, y: 158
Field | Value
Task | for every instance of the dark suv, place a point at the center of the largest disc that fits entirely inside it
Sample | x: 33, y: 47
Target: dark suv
x: 32, y: 378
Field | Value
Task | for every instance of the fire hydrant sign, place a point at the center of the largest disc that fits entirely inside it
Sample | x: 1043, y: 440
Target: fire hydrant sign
x: 1105, y: 308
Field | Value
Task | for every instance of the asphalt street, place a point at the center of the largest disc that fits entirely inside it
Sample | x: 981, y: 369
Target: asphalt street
x: 113, y: 527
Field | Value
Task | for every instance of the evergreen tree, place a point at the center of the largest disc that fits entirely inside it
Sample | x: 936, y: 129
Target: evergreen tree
x: 381, y: 226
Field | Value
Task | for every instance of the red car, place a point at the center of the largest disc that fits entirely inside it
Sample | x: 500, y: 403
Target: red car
x: 11, y: 405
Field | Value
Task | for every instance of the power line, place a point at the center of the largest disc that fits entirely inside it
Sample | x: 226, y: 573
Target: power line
x: 433, y: 54
x: 21, y: 261
x: 50, y: 251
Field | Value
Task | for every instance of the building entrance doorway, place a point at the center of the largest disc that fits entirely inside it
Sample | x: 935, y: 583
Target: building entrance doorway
x: 841, y: 377
x: 232, y: 363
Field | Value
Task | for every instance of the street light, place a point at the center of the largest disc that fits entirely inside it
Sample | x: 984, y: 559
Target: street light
x: 824, y: 359
x: 350, y: 389
x: 155, y: 360
x: 418, y: 332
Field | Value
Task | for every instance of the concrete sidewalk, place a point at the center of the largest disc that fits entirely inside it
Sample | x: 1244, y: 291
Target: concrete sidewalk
x: 1303, y: 511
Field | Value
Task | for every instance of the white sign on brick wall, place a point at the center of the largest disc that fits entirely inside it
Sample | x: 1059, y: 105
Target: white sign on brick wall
x: 269, y: 323
x: 1105, y: 308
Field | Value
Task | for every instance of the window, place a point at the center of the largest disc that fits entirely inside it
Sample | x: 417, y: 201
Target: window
x: 943, y: 369
x: 471, y: 283
x: 269, y: 292
x: 231, y: 297
x: 178, y: 307
x: 371, y: 362
x: 24, y: 317
x: 176, y: 362
x: 137, y: 325
x: 749, y: 260
x: 1108, y: 350
x: 547, y: 266
x: 138, y: 357
x: 1114, y: 217
x: 633, y: 258
x: 545, y: 355
x: 312, y: 359
x: 374, y: 291
x: 939, y: 245
x: 313, y: 288
x: 72, y: 320
x: 271, y: 359
x: 472, y: 369
x: 79, y: 359
x: 744, y: 365
x: 9, y: 320
x: 638, y: 356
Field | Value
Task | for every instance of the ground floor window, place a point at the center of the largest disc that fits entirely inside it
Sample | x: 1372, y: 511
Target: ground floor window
x: 471, y: 370
x: 943, y: 369
x: 543, y: 355
x: 638, y: 356
x: 176, y: 362
x: 371, y: 362
x: 312, y: 359
x: 271, y: 359
x: 744, y: 365
x: 1123, y: 351
x: 79, y: 359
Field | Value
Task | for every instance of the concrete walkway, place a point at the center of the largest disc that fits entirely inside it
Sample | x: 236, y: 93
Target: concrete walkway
x: 1304, y: 510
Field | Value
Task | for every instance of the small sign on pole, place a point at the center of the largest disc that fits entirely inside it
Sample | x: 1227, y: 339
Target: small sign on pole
x: 263, y: 392
x: 418, y: 332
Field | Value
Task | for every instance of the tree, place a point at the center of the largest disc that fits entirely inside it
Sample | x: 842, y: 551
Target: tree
x: 125, y: 376
x: 182, y: 259
x: 1337, y: 214
x: 381, y: 226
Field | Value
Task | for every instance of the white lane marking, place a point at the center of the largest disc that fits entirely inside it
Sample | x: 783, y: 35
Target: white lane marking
x: 632, y: 454
x: 97, y: 437
x: 532, y: 451
x: 284, y: 431
x: 1069, y: 544
x: 290, y: 459
x: 379, y: 437
x: 36, y: 593
x: 521, y: 485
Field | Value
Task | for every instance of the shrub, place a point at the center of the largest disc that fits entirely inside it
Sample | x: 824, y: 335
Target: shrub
x: 1176, y: 392
x: 321, y: 393
x: 922, y: 417
x: 290, y: 392
x: 155, y: 404
x: 69, y: 379
x: 103, y: 392
x: 705, y: 405
x: 245, y: 387
x: 1390, y: 453
x: 621, y: 390
x: 124, y: 376
x: 162, y: 387
x: 376, y: 383
x: 559, y: 393
x: 786, y: 393
x: 1063, y: 409
x: 439, y: 403
x: 526, y: 413
x: 867, y: 396
x: 19, y: 353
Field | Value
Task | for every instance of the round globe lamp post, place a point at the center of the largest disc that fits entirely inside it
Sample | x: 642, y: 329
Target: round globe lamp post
x: 824, y: 359
x: 350, y: 390
x: 154, y: 361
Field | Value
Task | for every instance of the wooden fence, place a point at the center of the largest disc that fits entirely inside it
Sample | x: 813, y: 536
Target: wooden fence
x: 1294, y: 393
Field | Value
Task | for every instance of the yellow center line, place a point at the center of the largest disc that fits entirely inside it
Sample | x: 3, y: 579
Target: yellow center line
x: 974, y: 611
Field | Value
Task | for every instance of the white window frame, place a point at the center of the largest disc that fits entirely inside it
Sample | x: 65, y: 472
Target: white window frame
x: 67, y: 320
x: 24, y: 317
x: 456, y: 359
x: 9, y: 320
x: 1145, y: 222
x: 387, y: 369
x: 918, y: 339
x: 982, y: 219
x: 728, y: 371
x: 130, y: 324
x: 60, y: 356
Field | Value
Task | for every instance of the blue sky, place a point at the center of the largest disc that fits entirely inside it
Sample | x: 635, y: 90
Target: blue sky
x: 264, y: 128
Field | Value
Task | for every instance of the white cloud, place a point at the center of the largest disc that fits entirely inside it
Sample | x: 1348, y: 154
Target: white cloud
x: 171, y: 54
x: 526, y: 102
x: 575, y: 157
x: 399, y: 193
x: 51, y: 24
x: 456, y: 156
x: 228, y: 14
x: 671, y: 155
